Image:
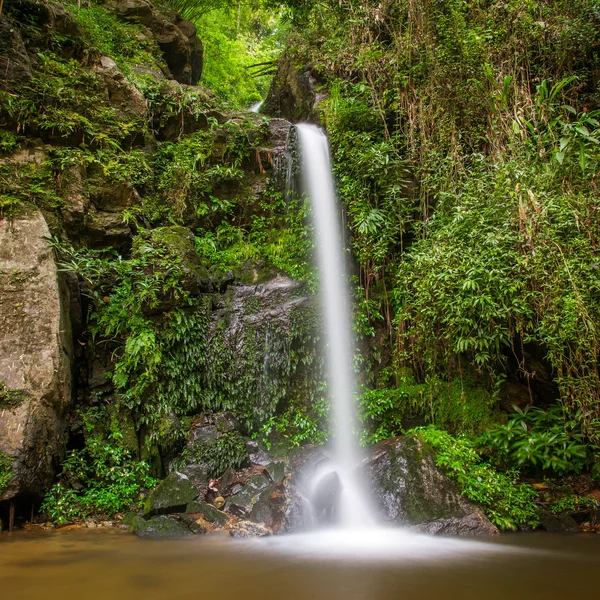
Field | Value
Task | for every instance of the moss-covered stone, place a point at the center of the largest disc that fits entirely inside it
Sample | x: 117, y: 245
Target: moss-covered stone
x: 160, y: 526
x: 208, y: 511
x: 171, y: 495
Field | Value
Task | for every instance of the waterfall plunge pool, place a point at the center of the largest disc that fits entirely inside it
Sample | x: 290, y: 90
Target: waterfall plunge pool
x: 348, y: 564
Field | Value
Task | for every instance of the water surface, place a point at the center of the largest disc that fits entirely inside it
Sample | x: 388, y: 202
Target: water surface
x: 94, y: 564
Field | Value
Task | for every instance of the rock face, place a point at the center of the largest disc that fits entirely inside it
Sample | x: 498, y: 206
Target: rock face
x: 35, y: 351
x: 293, y: 93
x: 176, y: 37
x: 410, y: 490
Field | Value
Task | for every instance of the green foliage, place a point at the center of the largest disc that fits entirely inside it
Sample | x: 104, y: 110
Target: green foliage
x: 6, y: 463
x: 226, y: 451
x: 534, y: 439
x: 573, y: 503
x: 458, y: 406
x: 102, y: 479
x: 507, y: 503
x: 10, y: 399
x: 241, y: 43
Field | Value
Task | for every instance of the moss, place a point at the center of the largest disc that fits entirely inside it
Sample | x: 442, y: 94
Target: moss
x: 10, y: 399
x: 6, y: 466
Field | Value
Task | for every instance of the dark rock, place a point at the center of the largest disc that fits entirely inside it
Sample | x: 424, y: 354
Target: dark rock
x: 246, y: 529
x: 191, y: 524
x: 558, y: 523
x: 276, y: 470
x: 171, y: 495
x: 176, y: 38
x: 410, y: 490
x: 257, y: 454
x: 208, y: 511
x: 15, y: 64
x: 293, y: 93
x: 207, y: 428
x: 199, y: 477
x: 474, y: 524
x: 160, y: 526
x: 35, y: 353
x: 242, y: 503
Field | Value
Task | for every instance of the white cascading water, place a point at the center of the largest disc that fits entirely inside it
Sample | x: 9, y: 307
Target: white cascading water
x: 317, y: 182
x: 256, y: 107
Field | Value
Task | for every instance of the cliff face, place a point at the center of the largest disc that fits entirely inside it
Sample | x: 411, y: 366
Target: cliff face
x: 138, y: 215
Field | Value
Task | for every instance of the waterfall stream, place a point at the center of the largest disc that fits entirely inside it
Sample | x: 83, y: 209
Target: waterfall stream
x: 317, y: 182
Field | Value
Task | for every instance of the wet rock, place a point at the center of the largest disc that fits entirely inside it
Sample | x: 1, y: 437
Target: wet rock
x: 160, y: 526
x: 208, y: 511
x: 276, y: 470
x: 410, y: 490
x: 558, y: 523
x: 257, y: 454
x: 325, y: 499
x: 242, y: 503
x: 199, y: 476
x: 246, y: 529
x: 474, y: 524
x: 170, y: 495
x: 293, y: 93
x: 35, y: 353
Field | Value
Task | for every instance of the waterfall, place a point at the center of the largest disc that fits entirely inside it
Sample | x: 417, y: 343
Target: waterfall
x: 317, y: 183
x: 256, y: 107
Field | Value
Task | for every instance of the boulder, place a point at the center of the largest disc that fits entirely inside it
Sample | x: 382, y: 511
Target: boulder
x: 35, y: 354
x: 176, y: 37
x: 242, y: 503
x: 410, y: 489
x: 163, y: 526
x: 14, y: 60
x: 171, y: 495
x: 293, y: 94
x: 209, y: 512
x: 246, y: 529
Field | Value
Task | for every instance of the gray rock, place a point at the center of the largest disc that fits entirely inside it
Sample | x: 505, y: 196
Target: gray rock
x: 409, y: 489
x: 171, y: 495
x: 276, y: 470
x: 210, y: 513
x: 35, y: 353
x: 558, y: 523
x: 246, y: 529
x: 160, y: 526
x: 242, y: 503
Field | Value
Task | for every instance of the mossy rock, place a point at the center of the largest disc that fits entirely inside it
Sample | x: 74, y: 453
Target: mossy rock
x: 160, y: 526
x: 171, y: 495
x: 208, y: 511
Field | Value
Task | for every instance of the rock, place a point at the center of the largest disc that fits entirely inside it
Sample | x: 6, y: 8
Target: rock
x: 246, y: 529
x: 474, y: 524
x: 176, y: 37
x: 119, y: 92
x: 199, y: 476
x: 160, y: 526
x: 558, y: 523
x: 207, y: 428
x: 242, y: 503
x: 410, y: 490
x: 16, y: 65
x: 257, y: 454
x: 276, y: 470
x: 170, y: 495
x: 35, y: 354
x: 208, y: 511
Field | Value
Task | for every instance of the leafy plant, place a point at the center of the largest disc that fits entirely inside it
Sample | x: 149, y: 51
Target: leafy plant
x: 534, y: 438
x: 99, y: 480
x: 507, y: 503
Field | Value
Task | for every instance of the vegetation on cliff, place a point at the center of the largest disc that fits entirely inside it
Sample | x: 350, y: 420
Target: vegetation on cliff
x: 466, y: 151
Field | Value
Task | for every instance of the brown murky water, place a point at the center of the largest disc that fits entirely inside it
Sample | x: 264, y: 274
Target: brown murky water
x: 101, y: 564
